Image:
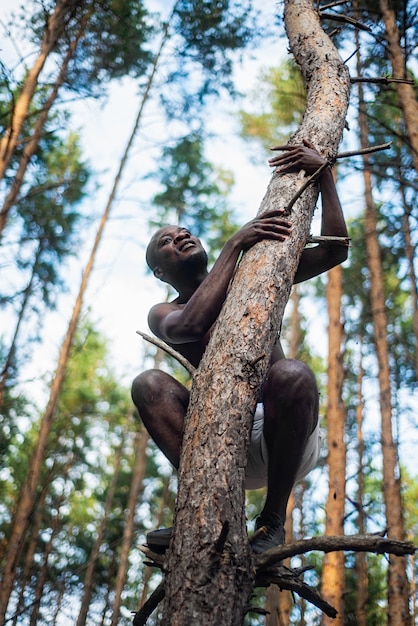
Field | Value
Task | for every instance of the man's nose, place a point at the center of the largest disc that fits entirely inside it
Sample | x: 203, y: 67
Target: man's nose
x: 180, y: 236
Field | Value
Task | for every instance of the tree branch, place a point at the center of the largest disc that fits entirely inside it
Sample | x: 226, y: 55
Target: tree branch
x: 369, y: 150
x: 384, y: 80
x: 149, y: 605
x: 290, y: 578
x: 164, y: 346
x: 357, y: 543
x: 328, y: 239
x: 337, y: 17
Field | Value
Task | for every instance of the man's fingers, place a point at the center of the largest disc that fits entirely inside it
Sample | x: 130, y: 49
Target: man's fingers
x: 308, y: 144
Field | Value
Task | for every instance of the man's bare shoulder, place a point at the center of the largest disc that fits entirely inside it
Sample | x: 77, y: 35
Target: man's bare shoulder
x: 159, y: 312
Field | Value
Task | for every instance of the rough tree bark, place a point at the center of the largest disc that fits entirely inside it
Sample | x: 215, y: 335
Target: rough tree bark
x: 210, y: 574
x: 333, y: 568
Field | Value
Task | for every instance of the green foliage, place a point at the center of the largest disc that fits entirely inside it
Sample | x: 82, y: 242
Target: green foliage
x: 194, y: 194
x: 211, y: 32
x: 277, y: 105
x: 113, y: 42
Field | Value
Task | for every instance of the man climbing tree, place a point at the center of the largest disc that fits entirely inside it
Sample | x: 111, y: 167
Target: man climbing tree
x: 209, y: 574
x: 285, y: 438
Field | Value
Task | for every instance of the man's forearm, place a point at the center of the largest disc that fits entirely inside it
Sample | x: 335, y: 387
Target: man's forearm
x: 332, y: 222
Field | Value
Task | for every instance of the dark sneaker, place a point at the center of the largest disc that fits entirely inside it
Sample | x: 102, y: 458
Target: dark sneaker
x: 159, y: 540
x: 269, y: 533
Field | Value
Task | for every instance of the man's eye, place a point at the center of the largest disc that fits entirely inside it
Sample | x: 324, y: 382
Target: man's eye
x: 166, y: 240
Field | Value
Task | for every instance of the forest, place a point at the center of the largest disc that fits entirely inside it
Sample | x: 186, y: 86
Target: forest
x: 119, y: 116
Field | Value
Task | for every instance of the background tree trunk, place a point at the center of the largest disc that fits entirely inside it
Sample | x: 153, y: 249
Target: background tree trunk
x: 100, y: 531
x: 138, y: 473
x: 398, y: 587
x: 209, y: 578
x: 333, y: 571
x: 362, y: 583
x: 405, y: 91
x: 53, y: 30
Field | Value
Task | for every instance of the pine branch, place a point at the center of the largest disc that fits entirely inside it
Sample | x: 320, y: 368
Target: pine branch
x: 290, y: 578
x: 141, y: 616
x: 328, y: 239
x: 337, y: 17
x: 383, y: 80
x: 357, y: 543
x: 164, y: 346
x: 369, y: 150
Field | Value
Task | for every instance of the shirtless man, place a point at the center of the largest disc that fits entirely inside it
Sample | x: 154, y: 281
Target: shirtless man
x: 285, y: 440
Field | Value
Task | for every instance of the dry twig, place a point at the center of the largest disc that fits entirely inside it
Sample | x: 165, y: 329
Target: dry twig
x: 164, y: 346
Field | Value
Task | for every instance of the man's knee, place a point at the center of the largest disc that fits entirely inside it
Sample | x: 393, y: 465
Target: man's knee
x: 146, y: 387
x: 292, y: 378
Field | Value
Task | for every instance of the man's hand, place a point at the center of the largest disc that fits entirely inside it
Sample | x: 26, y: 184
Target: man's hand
x: 300, y: 157
x: 269, y: 225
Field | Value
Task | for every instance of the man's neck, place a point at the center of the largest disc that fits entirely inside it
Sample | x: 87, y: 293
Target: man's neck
x: 187, y: 289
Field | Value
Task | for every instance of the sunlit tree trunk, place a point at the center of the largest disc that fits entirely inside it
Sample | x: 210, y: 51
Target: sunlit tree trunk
x: 406, y: 92
x: 138, y: 473
x: 410, y: 253
x: 29, y: 554
x: 397, y: 587
x: 165, y: 498
x: 54, y: 28
x: 42, y: 576
x: 333, y: 570
x: 31, y: 144
x: 361, y: 558
x: 100, y: 531
x: 209, y: 579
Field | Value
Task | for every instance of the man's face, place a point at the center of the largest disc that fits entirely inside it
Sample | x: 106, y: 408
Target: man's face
x: 173, y: 250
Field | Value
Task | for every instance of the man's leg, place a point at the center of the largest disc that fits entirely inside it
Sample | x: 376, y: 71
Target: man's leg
x: 290, y: 398
x: 162, y: 405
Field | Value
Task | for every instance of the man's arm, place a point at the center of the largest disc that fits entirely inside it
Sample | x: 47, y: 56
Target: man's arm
x: 183, y: 323
x: 315, y: 261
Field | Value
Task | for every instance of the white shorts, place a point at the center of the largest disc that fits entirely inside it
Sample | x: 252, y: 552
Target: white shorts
x: 256, y: 472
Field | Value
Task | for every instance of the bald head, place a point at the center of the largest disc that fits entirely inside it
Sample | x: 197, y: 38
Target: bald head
x: 151, y: 254
x: 175, y: 256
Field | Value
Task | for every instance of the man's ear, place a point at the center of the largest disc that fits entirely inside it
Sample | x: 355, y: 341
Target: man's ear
x: 158, y: 273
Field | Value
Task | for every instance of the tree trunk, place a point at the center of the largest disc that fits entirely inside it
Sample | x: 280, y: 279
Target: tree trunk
x: 54, y: 29
x: 410, y: 253
x: 30, y: 552
x: 94, y: 555
x: 406, y: 92
x: 138, y: 473
x: 362, y: 583
x: 333, y: 571
x: 209, y: 579
x: 42, y: 575
x: 32, y: 144
x: 398, y: 589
